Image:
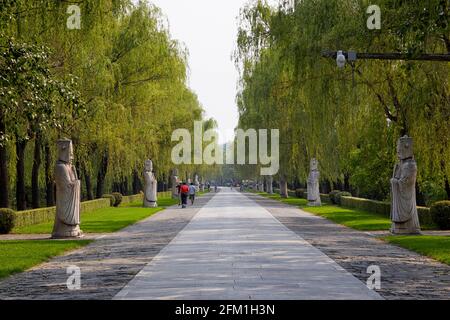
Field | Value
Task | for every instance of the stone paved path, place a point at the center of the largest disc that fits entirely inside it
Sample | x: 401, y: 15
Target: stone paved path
x: 107, y: 264
x: 235, y: 249
x: 405, y: 274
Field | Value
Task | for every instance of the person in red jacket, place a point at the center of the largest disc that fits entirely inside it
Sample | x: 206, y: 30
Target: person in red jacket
x: 184, y: 189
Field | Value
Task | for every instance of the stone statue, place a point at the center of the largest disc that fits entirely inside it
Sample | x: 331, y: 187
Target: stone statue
x: 405, y: 219
x: 196, y: 183
x: 175, y: 182
x: 67, y: 220
x: 269, y: 185
x: 313, y: 184
x: 202, y: 184
x: 151, y: 186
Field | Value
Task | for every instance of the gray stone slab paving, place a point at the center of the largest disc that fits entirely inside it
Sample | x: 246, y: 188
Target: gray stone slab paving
x: 235, y: 249
x: 405, y: 274
x: 107, y: 264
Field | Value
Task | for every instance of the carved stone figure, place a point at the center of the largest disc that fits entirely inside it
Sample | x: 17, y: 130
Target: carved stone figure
x: 67, y: 220
x: 175, y: 182
x: 269, y: 185
x: 202, y: 184
x: 196, y: 183
x: 151, y: 186
x: 313, y: 184
x: 405, y: 219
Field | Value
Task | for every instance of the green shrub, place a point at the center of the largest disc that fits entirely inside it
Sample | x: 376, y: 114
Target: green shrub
x: 337, y: 197
x: 332, y: 195
x: 440, y: 211
x: 118, y: 198
x: 7, y: 220
x: 300, y: 193
x: 112, y: 199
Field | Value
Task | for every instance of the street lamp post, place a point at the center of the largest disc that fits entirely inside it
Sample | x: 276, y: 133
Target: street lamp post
x: 343, y: 56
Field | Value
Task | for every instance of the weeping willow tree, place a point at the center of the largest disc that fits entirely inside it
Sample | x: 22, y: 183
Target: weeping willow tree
x: 126, y: 83
x: 348, y: 119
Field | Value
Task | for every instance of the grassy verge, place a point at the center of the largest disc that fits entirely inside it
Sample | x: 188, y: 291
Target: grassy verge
x: 18, y: 256
x: 356, y: 219
x: 104, y: 220
x: 436, y: 247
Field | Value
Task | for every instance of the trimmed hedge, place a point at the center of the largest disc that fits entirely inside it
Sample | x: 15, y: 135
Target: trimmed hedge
x: 140, y: 197
x: 333, y: 195
x: 440, y: 211
x: 339, y: 195
x: 384, y: 208
x: 112, y: 199
x: 325, y: 198
x: 134, y: 198
x: 7, y: 220
x: 35, y: 216
x: 300, y: 193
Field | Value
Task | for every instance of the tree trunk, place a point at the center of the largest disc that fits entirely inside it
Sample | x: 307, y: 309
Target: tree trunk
x: 102, y: 174
x: 447, y: 188
x: 283, y: 188
x: 4, y: 179
x: 137, y: 187
x: 20, y: 175
x: 49, y: 184
x: 87, y: 178
x: 35, y: 197
x: 347, y: 182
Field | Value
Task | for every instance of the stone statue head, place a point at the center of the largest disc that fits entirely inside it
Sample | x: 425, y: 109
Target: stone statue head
x: 405, y: 148
x: 314, y: 165
x: 65, y: 150
x: 148, y: 165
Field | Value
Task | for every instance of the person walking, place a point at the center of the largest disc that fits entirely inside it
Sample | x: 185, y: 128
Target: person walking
x: 179, y: 193
x: 184, y: 194
x: 192, y: 191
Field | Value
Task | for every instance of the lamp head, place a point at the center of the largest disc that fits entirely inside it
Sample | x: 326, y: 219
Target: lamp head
x: 340, y: 59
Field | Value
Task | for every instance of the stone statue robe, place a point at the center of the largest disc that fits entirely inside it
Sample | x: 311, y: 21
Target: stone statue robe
x: 313, y: 188
x: 150, y: 193
x: 67, y: 201
x: 403, y: 188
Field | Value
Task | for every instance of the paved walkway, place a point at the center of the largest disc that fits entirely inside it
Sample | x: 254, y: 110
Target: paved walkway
x: 234, y: 246
x: 235, y: 249
x: 404, y: 274
x: 107, y: 264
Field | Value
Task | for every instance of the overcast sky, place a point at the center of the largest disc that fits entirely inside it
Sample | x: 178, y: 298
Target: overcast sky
x: 208, y: 29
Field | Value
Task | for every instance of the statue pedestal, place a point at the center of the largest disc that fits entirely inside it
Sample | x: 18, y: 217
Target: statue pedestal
x: 407, y: 228
x: 148, y: 204
x: 314, y: 203
x: 63, y: 231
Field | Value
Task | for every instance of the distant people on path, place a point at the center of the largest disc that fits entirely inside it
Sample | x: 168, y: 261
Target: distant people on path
x: 215, y: 187
x: 209, y: 187
x: 192, y: 191
x: 184, y: 194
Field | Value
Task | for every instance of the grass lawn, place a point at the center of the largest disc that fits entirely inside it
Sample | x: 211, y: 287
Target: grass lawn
x: 353, y: 218
x: 18, y: 256
x: 356, y: 219
x: 436, y: 247
x: 104, y: 220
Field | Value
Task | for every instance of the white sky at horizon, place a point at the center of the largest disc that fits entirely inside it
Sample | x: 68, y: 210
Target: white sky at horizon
x: 208, y: 29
